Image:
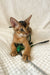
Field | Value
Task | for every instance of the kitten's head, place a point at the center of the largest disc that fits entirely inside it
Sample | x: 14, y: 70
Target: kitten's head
x: 21, y: 27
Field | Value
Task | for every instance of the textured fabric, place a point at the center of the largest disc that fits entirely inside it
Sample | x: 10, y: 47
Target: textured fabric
x: 40, y: 23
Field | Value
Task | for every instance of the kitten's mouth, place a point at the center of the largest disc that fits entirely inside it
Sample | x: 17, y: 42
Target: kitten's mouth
x: 23, y: 35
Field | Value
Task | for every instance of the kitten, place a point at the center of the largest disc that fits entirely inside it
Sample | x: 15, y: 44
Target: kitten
x: 21, y: 33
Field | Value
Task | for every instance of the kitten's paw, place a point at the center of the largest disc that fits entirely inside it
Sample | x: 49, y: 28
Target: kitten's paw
x: 13, y: 53
x: 26, y: 58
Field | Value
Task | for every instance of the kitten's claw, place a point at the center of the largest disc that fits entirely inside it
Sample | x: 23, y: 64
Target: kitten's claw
x: 13, y: 53
x: 26, y: 58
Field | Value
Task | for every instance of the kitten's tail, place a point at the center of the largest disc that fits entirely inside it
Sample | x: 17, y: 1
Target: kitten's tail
x: 40, y: 43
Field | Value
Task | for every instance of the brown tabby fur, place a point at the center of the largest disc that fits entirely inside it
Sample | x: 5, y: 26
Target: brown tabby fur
x: 17, y: 38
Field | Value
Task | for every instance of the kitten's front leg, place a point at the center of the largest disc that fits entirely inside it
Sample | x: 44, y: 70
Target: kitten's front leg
x: 26, y: 54
x: 14, y: 51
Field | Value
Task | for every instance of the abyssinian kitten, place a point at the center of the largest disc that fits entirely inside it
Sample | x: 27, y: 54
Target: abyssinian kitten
x: 21, y: 33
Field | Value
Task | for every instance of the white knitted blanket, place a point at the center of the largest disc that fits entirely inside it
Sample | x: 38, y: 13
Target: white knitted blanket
x: 40, y: 23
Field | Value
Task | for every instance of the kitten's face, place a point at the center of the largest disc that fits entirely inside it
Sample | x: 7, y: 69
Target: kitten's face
x: 22, y: 31
x: 22, y: 27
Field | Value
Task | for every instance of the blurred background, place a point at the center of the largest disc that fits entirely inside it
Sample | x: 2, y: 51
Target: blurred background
x: 21, y: 9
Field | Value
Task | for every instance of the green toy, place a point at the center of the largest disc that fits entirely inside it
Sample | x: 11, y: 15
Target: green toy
x: 20, y: 47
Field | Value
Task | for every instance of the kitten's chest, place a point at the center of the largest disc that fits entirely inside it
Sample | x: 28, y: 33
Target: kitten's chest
x: 17, y: 39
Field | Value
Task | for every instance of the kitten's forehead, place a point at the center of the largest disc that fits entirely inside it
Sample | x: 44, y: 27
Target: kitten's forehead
x: 23, y: 23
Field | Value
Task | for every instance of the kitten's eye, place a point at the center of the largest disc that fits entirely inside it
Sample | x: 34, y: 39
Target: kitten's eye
x: 21, y: 29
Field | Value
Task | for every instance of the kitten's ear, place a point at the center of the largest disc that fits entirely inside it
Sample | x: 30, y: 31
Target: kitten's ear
x: 14, y: 22
x: 28, y: 19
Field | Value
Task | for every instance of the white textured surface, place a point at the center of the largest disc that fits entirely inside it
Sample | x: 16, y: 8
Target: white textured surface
x: 40, y: 23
